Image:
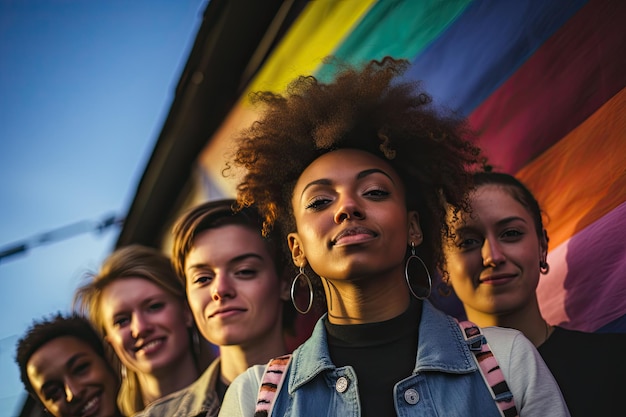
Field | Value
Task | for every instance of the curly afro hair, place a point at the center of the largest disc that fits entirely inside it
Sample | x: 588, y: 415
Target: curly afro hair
x: 372, y: 109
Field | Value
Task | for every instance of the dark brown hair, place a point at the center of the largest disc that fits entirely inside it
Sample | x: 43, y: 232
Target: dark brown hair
x: 371, y: 109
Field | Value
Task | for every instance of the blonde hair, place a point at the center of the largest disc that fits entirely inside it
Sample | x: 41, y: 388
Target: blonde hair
x: 130, y: 261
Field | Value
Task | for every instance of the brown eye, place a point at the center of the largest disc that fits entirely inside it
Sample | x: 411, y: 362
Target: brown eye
x: 318, y: 203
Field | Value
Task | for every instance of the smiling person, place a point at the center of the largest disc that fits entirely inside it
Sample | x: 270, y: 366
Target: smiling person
x: 233, y: 278
x: 63, y: 367
x: 358, y: 169
x: 138, y: 304
x: 494, y: 262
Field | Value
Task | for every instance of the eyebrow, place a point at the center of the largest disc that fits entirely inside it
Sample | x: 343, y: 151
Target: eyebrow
x: 239, y: 258
x: 70, y: 363
x: 510, y: 219
x: 360, y: 175
x: 500, y: 222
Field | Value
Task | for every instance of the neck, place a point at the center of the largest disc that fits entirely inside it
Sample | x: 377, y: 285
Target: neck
x: 166, y: 381
x: 527, y: 320
x: 369, y: 300
x: 235, y: 359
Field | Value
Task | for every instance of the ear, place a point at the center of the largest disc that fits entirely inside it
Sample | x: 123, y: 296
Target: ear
x: 297, y: 251
x: 543, y: 246
x: 415, y: 231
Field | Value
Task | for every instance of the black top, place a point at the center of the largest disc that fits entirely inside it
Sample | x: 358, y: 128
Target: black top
x: 590, y: 369
x: 381, y: 354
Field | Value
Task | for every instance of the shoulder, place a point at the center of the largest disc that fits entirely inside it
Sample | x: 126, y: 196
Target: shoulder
x: 563, y: 334
x: 504, y: 341
x: 241, y: 396
x: 250, y: 379
x: 510, y: 346
x: 573, y: 342
x: 197, y: 399
x: 564, y: 348
x: 534, y: 389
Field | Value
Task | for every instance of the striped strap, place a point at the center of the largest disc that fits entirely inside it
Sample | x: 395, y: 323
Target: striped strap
x: 271, y: 382
x: 489, y: 368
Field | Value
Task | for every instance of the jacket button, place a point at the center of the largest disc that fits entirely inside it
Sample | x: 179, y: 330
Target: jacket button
x: 411, y: 396
x: 342, y: 384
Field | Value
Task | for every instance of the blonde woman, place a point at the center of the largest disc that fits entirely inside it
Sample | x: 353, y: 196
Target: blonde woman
x: 139, y: 306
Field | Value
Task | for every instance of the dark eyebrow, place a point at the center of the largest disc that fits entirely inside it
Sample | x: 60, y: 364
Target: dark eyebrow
x: 367, y: 172
x: 502, y: 222
x: 510, y: 219
x: 360, y: 175
x: 236, y: 259
x: 75, y: 358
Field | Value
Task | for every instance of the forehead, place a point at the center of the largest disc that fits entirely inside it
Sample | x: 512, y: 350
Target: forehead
x: 52, y: 358
x: 345, y: 163
x: 491, y: 202
x: 225, y: 242
x: 130, y: 291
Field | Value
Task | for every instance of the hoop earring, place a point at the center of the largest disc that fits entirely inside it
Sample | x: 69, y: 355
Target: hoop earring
x: 293, y: 291
x: 426, y: 292
x: 544, y: 267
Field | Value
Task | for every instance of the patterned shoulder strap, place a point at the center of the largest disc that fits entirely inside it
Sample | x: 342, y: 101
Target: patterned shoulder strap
x: 489, y: 368
x: 271, y: 382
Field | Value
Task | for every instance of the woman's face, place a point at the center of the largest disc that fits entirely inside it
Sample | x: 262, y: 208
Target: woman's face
x: 147, y: 326
x: 72, y: 379
x: 351, y: 217
x: 232, y: 287
x: 493, y: 261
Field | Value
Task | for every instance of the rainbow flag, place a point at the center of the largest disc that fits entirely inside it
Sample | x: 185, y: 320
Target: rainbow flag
x: 541, y: 81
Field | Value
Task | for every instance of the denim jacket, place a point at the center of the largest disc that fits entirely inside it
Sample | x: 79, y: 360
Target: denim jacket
x: 197, y: 400
x: 445, y: 381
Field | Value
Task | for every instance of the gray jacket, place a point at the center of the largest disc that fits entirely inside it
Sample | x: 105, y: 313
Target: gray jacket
x: 197, y: 400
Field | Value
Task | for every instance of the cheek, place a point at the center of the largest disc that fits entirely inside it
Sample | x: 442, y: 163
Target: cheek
x: 197, y: 303
x: 262, y: 291
x: 460, y: 267
x: 117, y: 338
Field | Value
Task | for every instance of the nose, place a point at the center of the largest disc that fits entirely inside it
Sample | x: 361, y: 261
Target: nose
x: 72, y: 390
x: 348, y: 208
x: 139, y: 326
x: 222, y: 287
x: 492, y: 253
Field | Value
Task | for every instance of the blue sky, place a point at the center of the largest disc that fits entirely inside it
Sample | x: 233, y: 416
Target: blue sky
x: 85, y: 86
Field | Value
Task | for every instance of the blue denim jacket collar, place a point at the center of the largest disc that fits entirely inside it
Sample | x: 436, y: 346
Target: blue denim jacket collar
x: 441, y: 347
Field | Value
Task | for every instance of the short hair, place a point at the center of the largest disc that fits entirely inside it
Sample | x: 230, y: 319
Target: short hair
x: 520, y: 193
x: 44, y: 330
x: 372, y: 109
x: 214, y: 214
